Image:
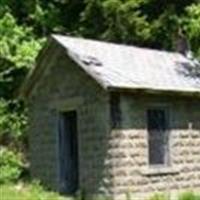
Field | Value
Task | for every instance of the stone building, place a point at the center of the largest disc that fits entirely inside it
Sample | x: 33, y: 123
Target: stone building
x: 113, y: 120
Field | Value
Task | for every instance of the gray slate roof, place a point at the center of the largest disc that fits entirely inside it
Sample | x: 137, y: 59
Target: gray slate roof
x: 130, y: 67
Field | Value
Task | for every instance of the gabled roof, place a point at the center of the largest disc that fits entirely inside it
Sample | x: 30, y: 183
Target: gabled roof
x: 116, y: 66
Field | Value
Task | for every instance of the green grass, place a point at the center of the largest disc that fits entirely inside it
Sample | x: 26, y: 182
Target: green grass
x: 189, y: 196
x: 183, y: 196
x: 22, y: 191
x: 33, y: 191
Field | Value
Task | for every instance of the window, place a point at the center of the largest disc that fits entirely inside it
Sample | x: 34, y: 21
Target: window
x: 115, y: 111
x: 158, y: 138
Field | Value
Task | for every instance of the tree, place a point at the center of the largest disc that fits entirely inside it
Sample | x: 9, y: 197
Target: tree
x: 19, y: 48
x: 192, y: 26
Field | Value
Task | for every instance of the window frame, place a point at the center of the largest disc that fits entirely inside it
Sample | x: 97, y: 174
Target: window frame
x: 167, y: 153
x: 115, y: 110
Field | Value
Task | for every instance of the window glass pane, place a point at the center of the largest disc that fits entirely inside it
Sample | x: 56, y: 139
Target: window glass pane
x: 115, y: 110
x: 158, y: 138
x: 156, y: 119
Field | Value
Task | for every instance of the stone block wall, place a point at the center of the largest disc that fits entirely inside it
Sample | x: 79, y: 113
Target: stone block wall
x: 129, y: 148
x: 65, y: 86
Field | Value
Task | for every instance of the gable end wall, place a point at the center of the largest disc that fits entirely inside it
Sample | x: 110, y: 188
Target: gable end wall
x: 64, y: 86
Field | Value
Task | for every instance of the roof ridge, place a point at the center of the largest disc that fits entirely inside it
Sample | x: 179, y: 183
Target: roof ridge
x: 55, y: 36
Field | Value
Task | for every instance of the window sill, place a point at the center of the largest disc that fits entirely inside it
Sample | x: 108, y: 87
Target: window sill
x: 154, y: 170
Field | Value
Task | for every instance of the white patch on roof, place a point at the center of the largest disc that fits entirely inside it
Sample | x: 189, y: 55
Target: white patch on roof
x: 121, y: 66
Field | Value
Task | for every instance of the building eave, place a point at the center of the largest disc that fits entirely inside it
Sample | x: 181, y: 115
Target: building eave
x: 153, y: 91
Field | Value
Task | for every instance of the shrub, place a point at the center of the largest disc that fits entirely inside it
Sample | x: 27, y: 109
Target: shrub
x: 24, y: 191
x: 12, y: 121
x: 11, y: 165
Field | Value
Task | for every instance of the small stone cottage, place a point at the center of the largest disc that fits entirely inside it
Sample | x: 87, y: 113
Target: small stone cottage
x: 113, y: 120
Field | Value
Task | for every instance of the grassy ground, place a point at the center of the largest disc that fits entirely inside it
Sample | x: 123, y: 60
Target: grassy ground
x: 34, y: 191
x: 27, y: 192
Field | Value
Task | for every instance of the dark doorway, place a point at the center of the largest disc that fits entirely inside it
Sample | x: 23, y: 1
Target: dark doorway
x: 68, y: 152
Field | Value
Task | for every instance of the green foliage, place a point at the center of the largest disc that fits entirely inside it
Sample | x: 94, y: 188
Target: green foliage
x: 192, y: 26
x: 11, y: 165
x: 142, y: 22
x: 159, y: 197
x: 32, y: 191
x: 35, y: 191
x: 12, y: 121
x: 189, y: 196
x: 19, y: 47
x: 18, y: 50
x: 184, y: 196
x: 128, y: 21
x: 150, y: 23
x: 17, y: 40
x: 115, y: 20
x: 45, y: 18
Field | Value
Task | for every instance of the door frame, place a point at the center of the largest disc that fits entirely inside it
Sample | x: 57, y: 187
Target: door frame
x: 71, y: 104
